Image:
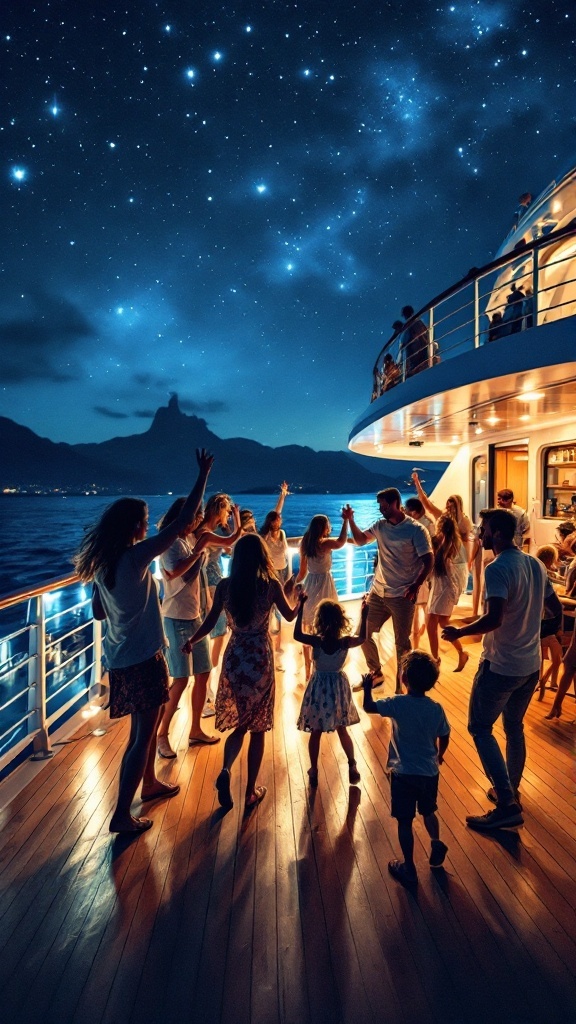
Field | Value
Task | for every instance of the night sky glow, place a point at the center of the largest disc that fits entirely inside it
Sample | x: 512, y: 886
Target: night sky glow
x: 234, y: 202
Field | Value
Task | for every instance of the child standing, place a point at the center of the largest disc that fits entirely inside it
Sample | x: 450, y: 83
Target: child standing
x: 420, y: 734
x: 328, y: 704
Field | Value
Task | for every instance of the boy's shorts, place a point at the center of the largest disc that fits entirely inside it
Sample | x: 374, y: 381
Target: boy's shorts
x: 180, y: 665
x: 409, y: 792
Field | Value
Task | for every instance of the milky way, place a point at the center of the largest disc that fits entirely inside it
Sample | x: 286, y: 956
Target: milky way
x: 233, y: 203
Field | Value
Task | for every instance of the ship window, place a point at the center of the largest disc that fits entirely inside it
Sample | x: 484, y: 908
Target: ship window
x: 560, y: 481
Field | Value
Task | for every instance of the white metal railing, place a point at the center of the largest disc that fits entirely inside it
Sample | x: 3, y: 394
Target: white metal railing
x: 51, y: 653
x: 50, y: 663
x: 481, y: 308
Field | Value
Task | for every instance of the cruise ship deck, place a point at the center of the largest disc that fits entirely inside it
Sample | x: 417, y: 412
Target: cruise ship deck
x: 288, y: 915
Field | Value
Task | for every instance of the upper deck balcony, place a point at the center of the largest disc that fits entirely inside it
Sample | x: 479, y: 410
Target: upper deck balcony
x: 491, y: 355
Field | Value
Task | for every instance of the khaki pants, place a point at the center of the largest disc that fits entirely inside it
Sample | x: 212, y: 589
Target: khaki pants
x: 380, y: 609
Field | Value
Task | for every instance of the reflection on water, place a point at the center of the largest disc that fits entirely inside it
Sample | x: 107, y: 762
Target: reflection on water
x: 40, y: 534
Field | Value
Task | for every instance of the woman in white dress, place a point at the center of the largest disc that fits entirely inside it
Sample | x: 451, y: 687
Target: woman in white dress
x: 449, y: 576
x: 316, y: 549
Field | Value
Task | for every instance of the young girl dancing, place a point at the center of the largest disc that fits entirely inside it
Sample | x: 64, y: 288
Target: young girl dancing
x: 327, y: 704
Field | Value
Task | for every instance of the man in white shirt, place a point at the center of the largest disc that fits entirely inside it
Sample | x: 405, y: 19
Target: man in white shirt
x: 506, y: 500
x: 404, y: 562
x: 517, y: 588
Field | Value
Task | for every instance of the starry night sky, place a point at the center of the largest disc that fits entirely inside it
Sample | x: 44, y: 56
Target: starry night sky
x: 233, y: 202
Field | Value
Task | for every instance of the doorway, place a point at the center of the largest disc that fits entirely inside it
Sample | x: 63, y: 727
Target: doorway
x: 511, y: 471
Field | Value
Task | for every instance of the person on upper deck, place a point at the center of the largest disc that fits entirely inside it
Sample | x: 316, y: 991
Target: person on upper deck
x: 497, y: 328
x: 513, y: 313
x: 390, y: 372
x: 414, y: 344
x: 524, y: 202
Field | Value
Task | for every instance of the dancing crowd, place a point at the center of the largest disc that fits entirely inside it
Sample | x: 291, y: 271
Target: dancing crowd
x: 421, y: 570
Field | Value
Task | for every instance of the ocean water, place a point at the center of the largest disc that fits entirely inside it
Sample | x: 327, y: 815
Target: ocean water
x: 40, y: 534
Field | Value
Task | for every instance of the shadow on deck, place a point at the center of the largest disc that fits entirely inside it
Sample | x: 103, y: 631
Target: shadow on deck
x: 289, y: 915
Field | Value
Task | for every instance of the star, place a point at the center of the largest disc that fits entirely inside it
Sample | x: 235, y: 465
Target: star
x: 19, y: 173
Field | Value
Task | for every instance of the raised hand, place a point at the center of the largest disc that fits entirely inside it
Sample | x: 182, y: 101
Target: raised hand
x: 205, y: 461
x: 236, y: 515
x: 284, y: 488
x: 347, y: 512
x: 414, y: 476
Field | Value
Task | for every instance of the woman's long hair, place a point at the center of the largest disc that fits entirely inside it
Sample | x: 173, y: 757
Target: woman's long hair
x: 330, y: 621
x: 215, y: 503
x: 172, y: 513
x: 268, y: 523
x: 310, y: 543
x: 459, y: 505
x: 446, y: 544
x: 251, y: 570
x: 107, y: 540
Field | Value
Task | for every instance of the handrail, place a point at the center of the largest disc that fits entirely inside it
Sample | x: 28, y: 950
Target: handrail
x: 56, y: 583
x: 526, y: 250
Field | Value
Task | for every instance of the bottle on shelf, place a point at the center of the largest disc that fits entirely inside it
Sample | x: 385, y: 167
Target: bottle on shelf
x: 552, y: 507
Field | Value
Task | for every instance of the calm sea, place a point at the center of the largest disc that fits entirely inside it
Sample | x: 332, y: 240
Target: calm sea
x: 40, y: 535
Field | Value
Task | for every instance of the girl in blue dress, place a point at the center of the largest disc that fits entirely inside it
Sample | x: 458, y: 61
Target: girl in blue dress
x: 327, y: 704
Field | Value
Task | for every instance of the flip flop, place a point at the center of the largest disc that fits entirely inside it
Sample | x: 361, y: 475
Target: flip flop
x: 399, y: 871
x: 161, y: 794
x: 259, y: 794
x: 223, y: 789
x: 201, y: 741
x: 140, y: 825
x: 163, y: 749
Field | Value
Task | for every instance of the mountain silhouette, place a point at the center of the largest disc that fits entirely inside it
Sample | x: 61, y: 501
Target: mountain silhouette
x: 162, y: 459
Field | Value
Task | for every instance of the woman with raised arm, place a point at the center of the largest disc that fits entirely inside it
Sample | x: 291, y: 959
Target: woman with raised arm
x: 116, y: 555
x: 454, y: 507
x: 245, y: 696
x: 217, y: 513
x: 316, y: 549
x: 181, y: 567
x: 449, y: 575
x: 275, y: 539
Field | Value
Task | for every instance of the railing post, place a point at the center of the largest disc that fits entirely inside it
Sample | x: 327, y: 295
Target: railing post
x: 535, y: 286
x: 431, y: 336
x: 476, y: 314
x: 37, y: 681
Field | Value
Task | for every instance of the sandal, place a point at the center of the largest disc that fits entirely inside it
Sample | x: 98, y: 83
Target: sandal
x: 163, y: 748
x: 138, y: 825
x: 223, y: 789
x: 255, y: 799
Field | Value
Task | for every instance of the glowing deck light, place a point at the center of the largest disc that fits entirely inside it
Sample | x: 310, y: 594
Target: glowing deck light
x: 530, y: 396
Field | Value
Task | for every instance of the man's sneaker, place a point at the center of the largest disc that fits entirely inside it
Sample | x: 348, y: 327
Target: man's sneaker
x: 500, y: 817
x: 491, y: 794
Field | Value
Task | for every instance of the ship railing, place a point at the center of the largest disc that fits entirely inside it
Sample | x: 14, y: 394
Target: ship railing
x: 462, y: 318
x: 51, y: 654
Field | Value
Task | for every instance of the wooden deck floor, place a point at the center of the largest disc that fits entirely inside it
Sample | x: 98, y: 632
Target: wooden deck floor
x: 290, y: 915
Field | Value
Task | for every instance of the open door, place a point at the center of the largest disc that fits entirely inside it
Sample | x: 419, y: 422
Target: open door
x: 511, y: 470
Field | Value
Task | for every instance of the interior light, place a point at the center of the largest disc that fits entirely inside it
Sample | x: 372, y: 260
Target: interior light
x: 478, y: 430
x: 525, y: 418
x: 529, y: 396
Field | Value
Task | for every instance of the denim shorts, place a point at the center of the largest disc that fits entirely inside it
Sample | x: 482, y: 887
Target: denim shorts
x: 179, y: 664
